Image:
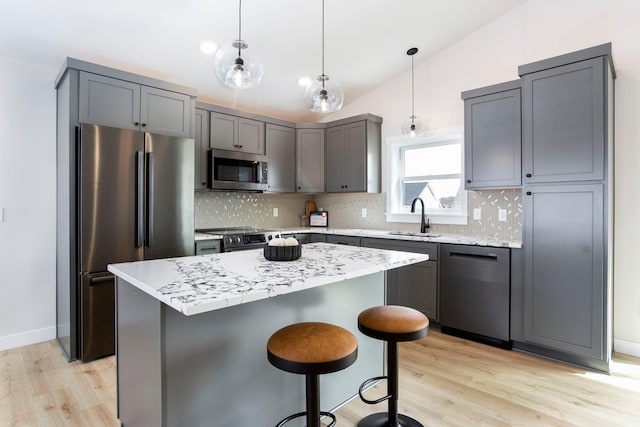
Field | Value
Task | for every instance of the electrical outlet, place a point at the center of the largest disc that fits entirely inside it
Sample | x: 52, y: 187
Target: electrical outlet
x: 477, y: 213
x: 275, y: 211
x: 364, y: 212
x: 502, y: 214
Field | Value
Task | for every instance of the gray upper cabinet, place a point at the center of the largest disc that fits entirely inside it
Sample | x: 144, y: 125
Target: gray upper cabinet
x: 281, y: 155
x: 352, y: 161
x: 492, y: 137
x: 117, y: 103
x: 310, y: 160
x: 415, y: 285
x: 237, y: 133
x: 564, y: 287
x: 201, y: 137
x: 563, y: 120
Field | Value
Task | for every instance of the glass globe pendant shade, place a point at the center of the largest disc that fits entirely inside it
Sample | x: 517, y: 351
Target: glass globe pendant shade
x: 323, y: 95
x: 412, y: 127
x: 236, y: 68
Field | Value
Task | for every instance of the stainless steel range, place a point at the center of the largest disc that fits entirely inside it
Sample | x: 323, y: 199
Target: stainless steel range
x: 241, y: 238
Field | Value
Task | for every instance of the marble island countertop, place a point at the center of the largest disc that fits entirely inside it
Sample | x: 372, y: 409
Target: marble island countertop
x: 198, y: 284
x: 394, y: 235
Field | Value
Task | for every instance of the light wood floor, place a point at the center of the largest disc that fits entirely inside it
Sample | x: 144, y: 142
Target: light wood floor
x: 444, y: 381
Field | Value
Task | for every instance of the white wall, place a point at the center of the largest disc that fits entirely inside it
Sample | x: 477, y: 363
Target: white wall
x: 27, y: 194
x: 537, y: 30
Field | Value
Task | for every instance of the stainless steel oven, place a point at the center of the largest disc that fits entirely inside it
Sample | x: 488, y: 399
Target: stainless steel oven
x: 236, y: 170
x: 242, y: 238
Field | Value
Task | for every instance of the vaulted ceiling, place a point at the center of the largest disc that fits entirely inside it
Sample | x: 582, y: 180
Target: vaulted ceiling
x: 366, y: 40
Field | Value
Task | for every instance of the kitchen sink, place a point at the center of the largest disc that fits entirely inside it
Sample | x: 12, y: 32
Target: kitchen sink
x: 412, y: 233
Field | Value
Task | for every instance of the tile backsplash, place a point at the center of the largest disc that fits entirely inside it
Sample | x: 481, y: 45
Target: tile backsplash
x: 229, y: 209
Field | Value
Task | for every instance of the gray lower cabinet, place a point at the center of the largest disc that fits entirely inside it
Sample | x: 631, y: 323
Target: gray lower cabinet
x: 492, y: 137
x: 117, y: 103
x: 302, y: 238
x: 564, y: 268
x: 310, y: 160
x: 343, y: 240
x: 352, y: 160
x: 564, y: 122
x: 415, y: 285
x: 281, y: 154
x: 235, y: 133
x: 201, y: 138
x: 317, y: 237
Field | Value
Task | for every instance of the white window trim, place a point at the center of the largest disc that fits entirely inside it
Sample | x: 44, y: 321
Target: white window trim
x: 393, y: 158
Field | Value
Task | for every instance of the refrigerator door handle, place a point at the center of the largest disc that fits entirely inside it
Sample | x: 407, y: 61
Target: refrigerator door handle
x: 139, y: 199
x: 150, y: 197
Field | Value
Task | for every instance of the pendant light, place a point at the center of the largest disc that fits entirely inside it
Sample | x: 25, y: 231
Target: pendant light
x: 235, y: 67
x: 323, y: 95
x: 413, y: 126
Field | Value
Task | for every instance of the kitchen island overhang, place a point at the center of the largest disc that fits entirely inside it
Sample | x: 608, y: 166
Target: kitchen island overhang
x: 192, y: 331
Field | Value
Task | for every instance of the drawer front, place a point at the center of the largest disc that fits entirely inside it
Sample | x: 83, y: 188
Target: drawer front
x: 428, y: 248
x: 343, y: 240
x: 205, y: 247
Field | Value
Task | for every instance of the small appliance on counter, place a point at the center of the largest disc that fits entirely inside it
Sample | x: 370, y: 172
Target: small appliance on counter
x: 319, y: 219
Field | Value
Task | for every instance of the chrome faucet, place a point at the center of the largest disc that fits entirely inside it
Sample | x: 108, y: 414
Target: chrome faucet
x: 423, y: 225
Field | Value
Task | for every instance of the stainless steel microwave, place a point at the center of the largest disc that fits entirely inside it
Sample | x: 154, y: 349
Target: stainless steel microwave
x: 236, y: 170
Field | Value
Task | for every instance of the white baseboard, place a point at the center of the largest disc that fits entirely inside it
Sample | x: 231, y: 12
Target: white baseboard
x: 626, y: 347
x: 28, y: 337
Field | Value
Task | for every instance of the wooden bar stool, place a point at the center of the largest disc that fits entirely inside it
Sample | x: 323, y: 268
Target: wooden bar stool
x: 312, y: 349
x: 391, y: 323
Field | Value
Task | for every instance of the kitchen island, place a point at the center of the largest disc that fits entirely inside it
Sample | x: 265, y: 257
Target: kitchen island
x: 192, y: 332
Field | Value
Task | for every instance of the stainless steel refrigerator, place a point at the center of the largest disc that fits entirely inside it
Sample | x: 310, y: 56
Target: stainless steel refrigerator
x: 132, y: 199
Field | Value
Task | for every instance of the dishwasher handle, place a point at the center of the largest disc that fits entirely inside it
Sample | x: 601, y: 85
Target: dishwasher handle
x: 488, y: 256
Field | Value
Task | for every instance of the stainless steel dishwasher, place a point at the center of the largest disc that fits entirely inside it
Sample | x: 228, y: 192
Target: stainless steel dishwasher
x: 475, y: 292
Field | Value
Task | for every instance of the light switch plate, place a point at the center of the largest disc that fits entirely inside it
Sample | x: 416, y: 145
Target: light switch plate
x: 275, y: 211
x: 477, y: 213
x: 502, y: 214
x: 364, y: 212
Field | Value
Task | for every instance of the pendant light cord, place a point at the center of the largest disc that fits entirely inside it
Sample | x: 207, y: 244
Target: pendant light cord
x: 413, y: 114
x: 323, y: 79
x: 239, y: 26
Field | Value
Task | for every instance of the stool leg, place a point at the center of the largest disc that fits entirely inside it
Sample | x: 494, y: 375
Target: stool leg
x: 313, y: 401
x: 392, y: 382
x: 391, y: 418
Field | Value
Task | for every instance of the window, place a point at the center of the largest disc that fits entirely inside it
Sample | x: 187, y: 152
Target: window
x: 429, y: 168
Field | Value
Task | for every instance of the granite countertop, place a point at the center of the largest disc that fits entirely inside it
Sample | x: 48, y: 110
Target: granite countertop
x: 394, y: 235
x: 198, y: 284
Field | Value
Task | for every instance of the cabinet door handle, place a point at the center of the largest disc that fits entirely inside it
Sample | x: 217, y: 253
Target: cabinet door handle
x: 468, y: 181
x: 528, y: 193
x: 144, y: 125
x: 136, y: 123
x: 528, y: 175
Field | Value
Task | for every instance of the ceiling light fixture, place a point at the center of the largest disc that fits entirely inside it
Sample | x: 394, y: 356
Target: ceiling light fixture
x: 323, y: 95
x: 413, y: 126
x: 235, y: 67
x: 208, y: 47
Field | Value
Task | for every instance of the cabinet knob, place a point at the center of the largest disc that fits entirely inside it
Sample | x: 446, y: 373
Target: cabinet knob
x: 528, y: 193
x: 468, y: 181
x: 144, y: 125
x: 528, y: 175
x: 136, y: 123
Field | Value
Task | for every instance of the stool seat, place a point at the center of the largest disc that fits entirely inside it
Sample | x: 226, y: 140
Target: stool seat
x: 393, y: 323
x: 312, y: 348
